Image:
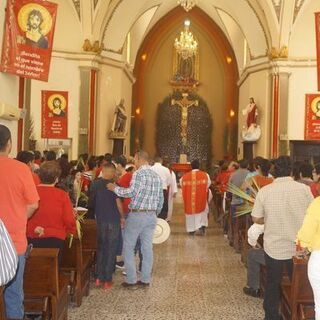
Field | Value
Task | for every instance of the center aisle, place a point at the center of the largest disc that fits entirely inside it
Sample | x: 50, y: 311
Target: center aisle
x: 193, y: 278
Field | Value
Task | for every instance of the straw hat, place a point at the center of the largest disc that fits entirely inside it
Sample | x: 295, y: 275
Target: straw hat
x: 162, y: 231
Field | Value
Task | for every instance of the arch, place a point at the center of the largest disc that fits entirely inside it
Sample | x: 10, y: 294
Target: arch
x: 153, y: 38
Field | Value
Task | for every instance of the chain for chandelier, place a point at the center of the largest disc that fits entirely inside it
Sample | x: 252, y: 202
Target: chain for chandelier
x: 187, y: 4
x: 186, y: 45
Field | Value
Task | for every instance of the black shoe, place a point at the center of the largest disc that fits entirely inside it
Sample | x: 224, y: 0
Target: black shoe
x: 130, y: 286
x: 192, y: 233
x: 143, y: 284
x: 120, y: 265
x: 255, y: 293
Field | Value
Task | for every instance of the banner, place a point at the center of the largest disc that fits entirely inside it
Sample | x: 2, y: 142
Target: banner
x: 318, y: 45
x: 312, y: 120
x: 28, y: 38
x: 54, y: 115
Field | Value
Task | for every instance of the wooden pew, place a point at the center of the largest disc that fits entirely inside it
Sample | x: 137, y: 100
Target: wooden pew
x: 77, y: 264
x: 298, y: 292
x: 2, y: 305
x: 89, y: 238
x: 45, y: 291
x: 306, y: 312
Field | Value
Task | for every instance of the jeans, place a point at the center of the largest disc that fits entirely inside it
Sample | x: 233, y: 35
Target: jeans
x: 141, y: 225
x: 254, y: 261
x: 274, y: 276
x: 314, y: 278
x: 108, y: 239
x: 13, y: 294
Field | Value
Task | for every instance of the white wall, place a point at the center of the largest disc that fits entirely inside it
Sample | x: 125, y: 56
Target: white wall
x: 113, y: 86
x: 302, y: 81
x: 64, y: 76
x: 9, y: 87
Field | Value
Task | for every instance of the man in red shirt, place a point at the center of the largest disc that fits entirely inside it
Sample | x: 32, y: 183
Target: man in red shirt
x: 18, y: 201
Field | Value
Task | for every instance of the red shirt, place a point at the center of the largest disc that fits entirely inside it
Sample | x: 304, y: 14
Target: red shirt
x: 223, y: 180
x: 315, y: 189
x: 17, y: 191
x: 124, y: 182
x: 55, y: 214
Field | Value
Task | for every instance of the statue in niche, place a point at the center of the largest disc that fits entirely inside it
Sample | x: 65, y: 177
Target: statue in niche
x: 119, y: 122
x: 251, y: 131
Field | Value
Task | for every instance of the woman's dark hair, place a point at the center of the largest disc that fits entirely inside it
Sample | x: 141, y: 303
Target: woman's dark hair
x: 296, y: 170
x: 51, y: 156
x: 91, y: 163
x: 5, y: 137
x: 37, y: 155
x: 108, y: 157
x: 74, y: 172
x: 49, y: 172
x: 306, y: 170
x: 65, y: 167
x: 264, y: 166
x: 130, y: 169
x: 283, y: 167
x: 25, y: 156
x: 317, y: 168
x: 122, y: 160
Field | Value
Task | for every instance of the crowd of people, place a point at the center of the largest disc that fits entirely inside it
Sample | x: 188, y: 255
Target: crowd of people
x: 286, y: 212
x: 41, y: 195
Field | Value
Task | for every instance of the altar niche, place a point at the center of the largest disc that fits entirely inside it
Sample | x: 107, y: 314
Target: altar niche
x: 184, y: 126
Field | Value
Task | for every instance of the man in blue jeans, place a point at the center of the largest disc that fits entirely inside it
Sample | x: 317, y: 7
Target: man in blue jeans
x: 146, y: 193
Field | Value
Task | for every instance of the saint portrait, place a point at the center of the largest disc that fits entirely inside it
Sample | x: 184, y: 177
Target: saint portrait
x: 315, y: 106
x: 35, y: 22
x: 57, y: 105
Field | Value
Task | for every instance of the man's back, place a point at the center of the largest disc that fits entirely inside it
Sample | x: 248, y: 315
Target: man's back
x: 164, y: 174
x: 283, y: 205
x: 17, y: 190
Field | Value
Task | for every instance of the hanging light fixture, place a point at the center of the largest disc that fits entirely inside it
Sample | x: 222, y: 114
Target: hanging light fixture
x: 187, y: 4
x: 186, y: 45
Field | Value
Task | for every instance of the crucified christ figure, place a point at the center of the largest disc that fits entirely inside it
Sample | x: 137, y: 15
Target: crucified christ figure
x: 185, y: 104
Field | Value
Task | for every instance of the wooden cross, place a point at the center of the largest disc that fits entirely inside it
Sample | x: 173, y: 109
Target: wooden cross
x: 185, y: 104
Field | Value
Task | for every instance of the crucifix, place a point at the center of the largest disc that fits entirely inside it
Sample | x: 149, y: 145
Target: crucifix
x: 185, y: 104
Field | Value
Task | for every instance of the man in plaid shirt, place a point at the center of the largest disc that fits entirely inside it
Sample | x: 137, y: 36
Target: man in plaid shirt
x: 146, y: 196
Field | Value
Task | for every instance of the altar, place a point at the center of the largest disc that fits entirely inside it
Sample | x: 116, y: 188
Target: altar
x: 181, y: 167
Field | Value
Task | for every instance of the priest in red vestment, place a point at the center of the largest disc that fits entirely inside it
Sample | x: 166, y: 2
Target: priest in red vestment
x: 195, y: 191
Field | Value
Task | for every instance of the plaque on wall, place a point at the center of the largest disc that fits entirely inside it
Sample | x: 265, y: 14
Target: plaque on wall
x: 312, y: 118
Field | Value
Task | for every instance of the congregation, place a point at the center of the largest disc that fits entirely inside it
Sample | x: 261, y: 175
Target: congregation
x: 44, y: 195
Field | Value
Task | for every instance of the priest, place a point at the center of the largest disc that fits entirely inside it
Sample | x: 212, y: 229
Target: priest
x: 195, y: 190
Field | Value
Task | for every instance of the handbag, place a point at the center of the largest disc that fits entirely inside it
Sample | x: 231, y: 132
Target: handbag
x: 8, y: 256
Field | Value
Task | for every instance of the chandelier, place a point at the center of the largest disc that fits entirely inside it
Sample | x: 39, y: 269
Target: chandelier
x: 186, y: 45
x: 187, y: 4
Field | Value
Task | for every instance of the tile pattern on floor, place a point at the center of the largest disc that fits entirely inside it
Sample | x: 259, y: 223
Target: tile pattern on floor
x: 193, y: 278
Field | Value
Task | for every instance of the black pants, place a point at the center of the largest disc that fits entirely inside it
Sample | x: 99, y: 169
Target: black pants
x: 274, y: 276
x: 164, y: 212
x: 108, y: 241
x: 48, y: 243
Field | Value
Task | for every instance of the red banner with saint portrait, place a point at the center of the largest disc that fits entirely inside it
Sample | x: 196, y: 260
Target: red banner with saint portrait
x: 312, y: 120
x: 54, y: 115
x: 318, y: 45
x: 28, y: 38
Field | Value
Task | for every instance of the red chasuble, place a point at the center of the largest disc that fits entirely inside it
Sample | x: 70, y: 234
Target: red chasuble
x: 195, y: 191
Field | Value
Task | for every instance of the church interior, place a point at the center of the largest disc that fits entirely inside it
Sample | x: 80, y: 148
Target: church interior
x: 210, y: 80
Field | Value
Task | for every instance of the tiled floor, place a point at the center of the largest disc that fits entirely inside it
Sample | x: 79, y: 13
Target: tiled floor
x: 194, y: 278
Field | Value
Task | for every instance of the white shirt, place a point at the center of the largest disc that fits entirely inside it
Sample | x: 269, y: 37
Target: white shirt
x: 164, y: 174
x: 254, y: 233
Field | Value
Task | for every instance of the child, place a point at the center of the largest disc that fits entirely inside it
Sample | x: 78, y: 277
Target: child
x: 107, y: 208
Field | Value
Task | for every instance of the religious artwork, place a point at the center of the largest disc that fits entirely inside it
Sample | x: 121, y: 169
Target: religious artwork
x: 184, y: 128
x: 186, y: 60
x: 29, y: 31
x: 184, y: 104
x: 312, y: 118
x: 317, y: 15
x: 251, y: 131
x: 119, y: 127
x: 54, y: 115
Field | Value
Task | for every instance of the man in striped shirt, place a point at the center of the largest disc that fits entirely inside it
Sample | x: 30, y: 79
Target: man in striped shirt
x: 146, y: 193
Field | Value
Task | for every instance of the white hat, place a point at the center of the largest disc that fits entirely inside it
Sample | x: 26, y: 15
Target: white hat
x: 162, y: 231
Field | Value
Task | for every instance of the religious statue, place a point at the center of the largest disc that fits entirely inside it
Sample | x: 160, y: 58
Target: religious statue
x: 184, y: 104
x: 120, y: 121
x: 252, y: 131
